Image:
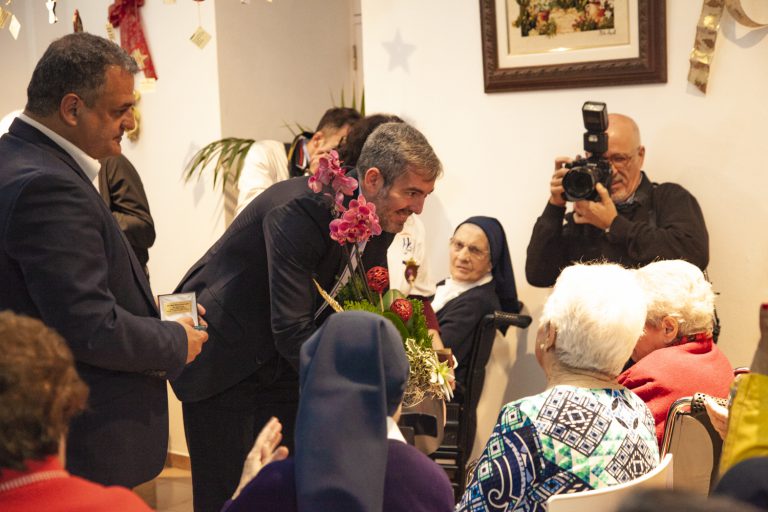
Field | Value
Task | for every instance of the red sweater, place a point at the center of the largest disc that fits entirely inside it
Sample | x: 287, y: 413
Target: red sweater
x: 674, y: 372
x: 46, y: 486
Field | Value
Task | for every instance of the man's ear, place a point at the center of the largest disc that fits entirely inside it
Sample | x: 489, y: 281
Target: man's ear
x: 372, y: 181
x: 69, y: 108
x: 317, y: 139
x: 669, y: 328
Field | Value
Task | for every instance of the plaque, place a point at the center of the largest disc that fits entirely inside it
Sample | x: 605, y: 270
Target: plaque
x: 175, y: 306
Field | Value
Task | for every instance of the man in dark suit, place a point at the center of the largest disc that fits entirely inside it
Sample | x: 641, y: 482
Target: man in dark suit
x: 64, y: 260
x: 257, y: 284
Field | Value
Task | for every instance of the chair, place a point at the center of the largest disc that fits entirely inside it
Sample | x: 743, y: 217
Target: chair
x: 608, y: 498
x: 696, y: 445
x: 461, y: 419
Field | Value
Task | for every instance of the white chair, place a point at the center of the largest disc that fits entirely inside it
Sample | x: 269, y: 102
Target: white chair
x: 609, y: 498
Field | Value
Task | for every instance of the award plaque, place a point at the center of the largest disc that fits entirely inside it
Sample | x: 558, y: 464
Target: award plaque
x: 175, y: 306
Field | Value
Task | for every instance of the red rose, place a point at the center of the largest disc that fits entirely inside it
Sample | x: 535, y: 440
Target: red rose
x: 378, y: 279
x: 402, y: 308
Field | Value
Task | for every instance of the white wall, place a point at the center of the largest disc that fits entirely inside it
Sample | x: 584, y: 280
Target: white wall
x: 281, y: 63
x: 498, y: 149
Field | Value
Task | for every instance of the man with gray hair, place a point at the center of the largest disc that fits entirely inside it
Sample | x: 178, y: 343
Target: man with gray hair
x: 257, y: 285
x: 64, y: 260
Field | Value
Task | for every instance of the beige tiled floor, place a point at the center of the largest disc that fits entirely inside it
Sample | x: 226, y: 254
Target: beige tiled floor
x: 171, y: 491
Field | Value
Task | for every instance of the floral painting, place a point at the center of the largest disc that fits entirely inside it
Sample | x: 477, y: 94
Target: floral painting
x: 550, y: 18
x: 542, y: 26
x: 548, y: 44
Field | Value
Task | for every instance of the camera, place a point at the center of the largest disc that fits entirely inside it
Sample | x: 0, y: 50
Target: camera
x: 585, y: 173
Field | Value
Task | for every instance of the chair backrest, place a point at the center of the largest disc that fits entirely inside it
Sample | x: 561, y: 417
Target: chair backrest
x: 696, y: 445
x: 461, y: 424
x: 481, y: 352
x: 608, y: 498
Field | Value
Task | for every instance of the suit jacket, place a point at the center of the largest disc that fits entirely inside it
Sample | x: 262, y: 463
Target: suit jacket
x: 256, y: 285
x: 460, y: 319
x: 64, y: 260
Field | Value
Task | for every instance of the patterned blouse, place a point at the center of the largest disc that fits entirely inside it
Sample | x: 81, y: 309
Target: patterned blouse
x: 566, y: 439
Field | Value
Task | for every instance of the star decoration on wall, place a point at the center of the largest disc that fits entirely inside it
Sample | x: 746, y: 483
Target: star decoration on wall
x: 399, y: 52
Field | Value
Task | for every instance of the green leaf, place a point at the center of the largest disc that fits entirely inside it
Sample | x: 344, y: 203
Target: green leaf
x: 398, y: 323
x: 391, y: 296
x: 229, y: 154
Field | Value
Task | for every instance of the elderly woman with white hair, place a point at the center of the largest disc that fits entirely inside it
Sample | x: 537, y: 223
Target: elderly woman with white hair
x: 676, y: 356
x: 585, y: 431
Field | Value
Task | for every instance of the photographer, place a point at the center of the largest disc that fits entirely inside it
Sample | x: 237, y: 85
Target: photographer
x: 632, y: 222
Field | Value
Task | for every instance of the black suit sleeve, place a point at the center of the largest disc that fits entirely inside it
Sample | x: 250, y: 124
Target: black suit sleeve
x: 59, y: 245
x: 128, y: 201
x: 296, y: 240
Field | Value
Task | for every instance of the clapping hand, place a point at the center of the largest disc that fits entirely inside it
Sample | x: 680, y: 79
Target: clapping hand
x: 266, y: 449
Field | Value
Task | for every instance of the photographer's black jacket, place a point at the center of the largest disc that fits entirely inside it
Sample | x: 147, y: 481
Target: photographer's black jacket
x: 663, y: 222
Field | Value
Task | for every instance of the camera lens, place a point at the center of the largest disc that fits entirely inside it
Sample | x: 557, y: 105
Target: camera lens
x: 578, y: 183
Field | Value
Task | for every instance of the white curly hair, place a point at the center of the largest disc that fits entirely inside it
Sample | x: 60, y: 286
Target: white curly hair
x: 678, y: 289
x: 598, y: 311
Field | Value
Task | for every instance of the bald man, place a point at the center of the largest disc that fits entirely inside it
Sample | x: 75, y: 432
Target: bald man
x: 635, y: 222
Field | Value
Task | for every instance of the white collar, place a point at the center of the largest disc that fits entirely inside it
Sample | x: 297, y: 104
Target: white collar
x: 90, y: 166
x: 451, y: 289
x: 393, y: 431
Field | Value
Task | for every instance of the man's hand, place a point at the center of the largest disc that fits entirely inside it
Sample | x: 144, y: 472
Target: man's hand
x: 599, y: 214
x: 266, y: 449
x: 556, y: 183
x: 195, y: 337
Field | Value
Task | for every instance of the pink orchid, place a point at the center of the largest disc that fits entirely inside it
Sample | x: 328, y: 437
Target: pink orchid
x: 329, y: 172
x: 357, y: 224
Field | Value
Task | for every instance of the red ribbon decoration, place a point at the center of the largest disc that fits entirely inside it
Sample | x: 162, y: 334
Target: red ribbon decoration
x: 125, y: 14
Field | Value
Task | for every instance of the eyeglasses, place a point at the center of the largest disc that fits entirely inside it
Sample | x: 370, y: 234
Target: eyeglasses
x: 622, y: 159
x: 474, y: 251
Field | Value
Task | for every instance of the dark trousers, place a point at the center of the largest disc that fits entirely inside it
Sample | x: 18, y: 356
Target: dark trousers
x: 221, y: 430
x: 747, y: 481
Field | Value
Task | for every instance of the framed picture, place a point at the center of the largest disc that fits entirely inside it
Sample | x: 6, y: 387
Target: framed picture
x: 552, y: 44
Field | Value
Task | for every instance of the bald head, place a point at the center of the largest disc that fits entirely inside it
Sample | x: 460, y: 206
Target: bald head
x: 623, y: 126
x: 626, y: 154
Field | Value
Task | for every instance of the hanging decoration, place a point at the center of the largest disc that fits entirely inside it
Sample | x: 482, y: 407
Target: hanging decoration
x: 5, y: 17
x: 77, y: 23
x: 51, y: 6
x: 124, y: 14
x: 200, y: 37
x: 8, y: 18
x: 133, y: 135
x: 706, y: 35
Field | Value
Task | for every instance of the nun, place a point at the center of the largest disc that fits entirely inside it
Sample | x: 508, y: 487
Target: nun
x: 481, y: 282
x: 350, y: 455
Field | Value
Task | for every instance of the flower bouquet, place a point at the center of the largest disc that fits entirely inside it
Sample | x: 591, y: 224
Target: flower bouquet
x: 368, y: 291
